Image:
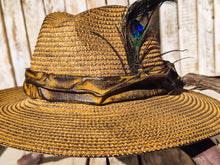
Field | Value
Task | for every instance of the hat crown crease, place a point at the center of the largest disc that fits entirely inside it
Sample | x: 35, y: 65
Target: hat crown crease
x: 66, y: 45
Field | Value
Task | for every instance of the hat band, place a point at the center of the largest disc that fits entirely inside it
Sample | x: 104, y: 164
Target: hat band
x: 98, y: 90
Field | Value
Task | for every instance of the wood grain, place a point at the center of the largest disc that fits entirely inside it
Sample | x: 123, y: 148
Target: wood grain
x: 188, y: 38
x: 202, y: 82
x: 17, y: 38
x: 55, y: 160
x: 54, y: 6
x: 95, y: 3
x: 75, y: 6
x: 6, y: 70
x: 118, y: 2
x: 206, y: 37
x: 169, y: 35
x: 115, y: 161
x: 217, y: 35
x: 131, y: 1
x: 174, y: 156
x: 97, y: 161
x: 126, y: 160
x: 34, y: 15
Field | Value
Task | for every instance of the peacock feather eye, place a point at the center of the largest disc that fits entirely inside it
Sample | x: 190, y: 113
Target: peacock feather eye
x: 137, y: 29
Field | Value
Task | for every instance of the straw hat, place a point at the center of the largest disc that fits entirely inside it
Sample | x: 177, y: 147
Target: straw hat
x: 97, y: 86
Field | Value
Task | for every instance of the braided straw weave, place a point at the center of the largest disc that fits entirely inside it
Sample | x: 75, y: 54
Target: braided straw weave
x: 67, y: 46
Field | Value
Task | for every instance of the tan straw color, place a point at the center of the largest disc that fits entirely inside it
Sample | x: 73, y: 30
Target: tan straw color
x: 83, y: 97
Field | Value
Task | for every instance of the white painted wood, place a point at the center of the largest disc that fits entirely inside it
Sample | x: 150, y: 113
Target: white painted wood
x: 54, y: 6
x: 95, y: 3
x: 188, y: 35
x: 97, y: 161
x: 17, y: 38
x: 10, y: 156
x: 6, y: 72
x: 75, y: 6
x: 125, y: 160
x: 217, y: 35
x: 81, y: 161
x: 206, y: 37
x: 131, y: 1
x: 64, y: 161
x: 34, y: 16
x: 118, y: 2
x: 115, y: 161
x: 169, y: 35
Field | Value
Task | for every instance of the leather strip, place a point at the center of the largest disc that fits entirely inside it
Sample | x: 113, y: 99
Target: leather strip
x: 98, y: 90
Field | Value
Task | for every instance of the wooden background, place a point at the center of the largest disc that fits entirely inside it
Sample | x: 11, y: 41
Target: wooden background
x: 193, y: 25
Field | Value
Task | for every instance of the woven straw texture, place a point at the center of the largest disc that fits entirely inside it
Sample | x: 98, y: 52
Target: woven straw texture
x: 115, y: 129
x: 66, y: 46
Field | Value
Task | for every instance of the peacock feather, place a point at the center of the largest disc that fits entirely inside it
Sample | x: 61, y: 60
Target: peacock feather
x: 137, y: 24
x: 135, y: 28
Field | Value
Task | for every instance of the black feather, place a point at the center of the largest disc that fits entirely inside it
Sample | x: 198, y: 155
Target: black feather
x: 143, y: 8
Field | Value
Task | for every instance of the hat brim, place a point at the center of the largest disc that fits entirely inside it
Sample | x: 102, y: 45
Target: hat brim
x: 115, y: 129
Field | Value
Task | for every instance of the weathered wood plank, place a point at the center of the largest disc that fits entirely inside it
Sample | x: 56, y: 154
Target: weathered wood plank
x: 75, y: 6
x: 188, y: 35
x: 81, y: 161
x: 118, y: 2
x: 202, y: 82
x: 206, y: 37
x: 125, y: 160
x: 217, y: 35
x: 54, y: 160
x: 6, y: 71
x: 169, y: 35
x: 34, y: 16
x: 54, y: 6
x: 131, y: 1
x: 10, y: 156
x: 17, y: 39
x: 172, y: 156
x: 95, y: 3
x: 210, y: 156
x: 97, y: 161
x: 115, y: 161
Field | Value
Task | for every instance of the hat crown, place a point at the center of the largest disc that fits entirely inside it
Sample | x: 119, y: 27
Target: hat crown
x: 67, y: 44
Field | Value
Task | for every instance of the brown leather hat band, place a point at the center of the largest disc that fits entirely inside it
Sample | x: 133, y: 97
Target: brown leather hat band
x: 94, y: 90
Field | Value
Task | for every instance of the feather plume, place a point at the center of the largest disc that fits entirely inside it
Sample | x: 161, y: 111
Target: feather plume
x: 134, y: 29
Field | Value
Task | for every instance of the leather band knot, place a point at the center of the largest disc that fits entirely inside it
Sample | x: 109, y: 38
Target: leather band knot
x: 99, y: 90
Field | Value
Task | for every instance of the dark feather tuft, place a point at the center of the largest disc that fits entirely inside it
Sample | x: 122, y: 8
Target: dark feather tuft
x: 143, y: 7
